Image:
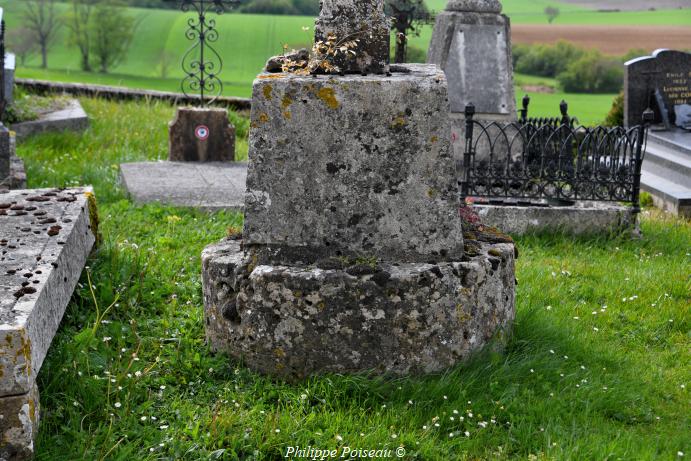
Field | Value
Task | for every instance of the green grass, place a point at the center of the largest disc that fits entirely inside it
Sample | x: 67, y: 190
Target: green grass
x: 590, y: 109
x: 131, y: 346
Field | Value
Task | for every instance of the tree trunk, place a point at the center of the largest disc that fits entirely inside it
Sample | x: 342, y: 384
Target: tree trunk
x: 44, y: 55
x: 86, y: 66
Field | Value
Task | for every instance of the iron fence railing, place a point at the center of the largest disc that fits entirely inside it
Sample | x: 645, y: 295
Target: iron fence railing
x: 552, y: 161
x: 2, y: 63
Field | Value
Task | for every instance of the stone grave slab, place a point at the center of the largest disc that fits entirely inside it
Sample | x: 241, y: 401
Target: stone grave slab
x: 201, y: 135
x: 209, y: 186
x: 71, y: 118
x: 661, y: 81
x: 46, y: 236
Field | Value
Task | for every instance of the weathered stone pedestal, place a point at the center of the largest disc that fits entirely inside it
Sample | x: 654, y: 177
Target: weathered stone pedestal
x: 201, y: 135
x: 471, y: 42
x: 352, y: 257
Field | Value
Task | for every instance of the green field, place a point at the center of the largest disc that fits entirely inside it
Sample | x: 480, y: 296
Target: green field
x: 596, y: 368
x: 246, y: 41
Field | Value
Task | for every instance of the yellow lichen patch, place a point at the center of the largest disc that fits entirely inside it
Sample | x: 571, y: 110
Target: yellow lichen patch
x: 25, y: 351
x: 328, y: 95
x: 93, y: 216
x: 267, y: 92
x: 252, y: 264
x: 279, y: 352
x: 431, y: 193
x: 399, y: 122
x: 264, y: 77
x: 286, y: 101
x: 434, y: 139
x: 287, y: 115
x: 263, y: 118
x: 32, y: 410
x: 495, y: 252
x: 462, y: 315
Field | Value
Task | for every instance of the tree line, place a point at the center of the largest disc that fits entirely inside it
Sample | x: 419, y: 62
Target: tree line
x: 100, y: 30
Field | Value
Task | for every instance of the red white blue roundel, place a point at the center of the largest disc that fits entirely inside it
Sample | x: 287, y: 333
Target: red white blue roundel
x: 202, y: 132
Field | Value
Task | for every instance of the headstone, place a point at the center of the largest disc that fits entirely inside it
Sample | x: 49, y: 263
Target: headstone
x: 471, y: 42
x: 360, y: 20
x: 9, y: 77
x: 667, y: 74
x: 46, y: 236
x: 682, y: 115
x: 201, y: 135
x: 353, y: 256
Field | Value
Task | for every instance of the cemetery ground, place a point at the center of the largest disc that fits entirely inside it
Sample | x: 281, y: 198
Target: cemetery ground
x: 597, y: 367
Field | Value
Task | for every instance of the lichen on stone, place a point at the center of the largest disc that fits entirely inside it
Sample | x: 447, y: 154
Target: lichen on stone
x: 328, y: 95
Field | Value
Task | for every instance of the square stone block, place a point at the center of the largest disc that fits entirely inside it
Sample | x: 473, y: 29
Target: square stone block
x: 353, y: 166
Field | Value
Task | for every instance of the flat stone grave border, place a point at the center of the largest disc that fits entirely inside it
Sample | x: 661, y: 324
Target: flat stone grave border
x: 209, y: 186
x: 46, y: 236
x: 582, y: 218
x: 71, y: 118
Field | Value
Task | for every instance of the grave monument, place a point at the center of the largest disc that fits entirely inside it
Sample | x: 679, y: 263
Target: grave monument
x: 471, y: 42
x: 663, y: 82
x: 352, y: 257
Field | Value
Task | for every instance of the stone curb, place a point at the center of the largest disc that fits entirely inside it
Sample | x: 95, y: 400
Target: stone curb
x: 71, y: 118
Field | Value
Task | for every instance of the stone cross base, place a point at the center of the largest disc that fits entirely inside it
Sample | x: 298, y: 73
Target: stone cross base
x: 201, y: 135
x: 353, y: 166
x: 300, y: 320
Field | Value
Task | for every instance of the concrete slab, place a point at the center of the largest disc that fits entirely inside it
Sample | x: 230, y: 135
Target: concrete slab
x: 209, y: 186
x: 45, y: 238
x: 71, y: 118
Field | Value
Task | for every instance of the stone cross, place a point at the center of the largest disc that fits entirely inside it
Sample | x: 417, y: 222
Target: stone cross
x: 363, y: 21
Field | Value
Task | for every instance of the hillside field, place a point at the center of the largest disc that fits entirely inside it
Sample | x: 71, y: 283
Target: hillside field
x: 246, y: 41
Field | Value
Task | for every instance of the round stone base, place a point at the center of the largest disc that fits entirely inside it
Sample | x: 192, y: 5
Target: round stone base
x: 298, y: 320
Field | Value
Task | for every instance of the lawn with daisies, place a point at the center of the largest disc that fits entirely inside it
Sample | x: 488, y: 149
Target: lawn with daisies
x: 598, y: 367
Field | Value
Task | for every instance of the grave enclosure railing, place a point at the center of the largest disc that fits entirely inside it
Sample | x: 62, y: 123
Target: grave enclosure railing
x: 551, y: 161
x: 2, y: 63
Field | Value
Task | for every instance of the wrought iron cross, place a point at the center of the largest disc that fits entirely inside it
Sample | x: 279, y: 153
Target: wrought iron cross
x: 201, y: 63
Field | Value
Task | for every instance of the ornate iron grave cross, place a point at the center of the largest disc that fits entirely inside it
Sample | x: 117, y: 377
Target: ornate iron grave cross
x: 201, y: 63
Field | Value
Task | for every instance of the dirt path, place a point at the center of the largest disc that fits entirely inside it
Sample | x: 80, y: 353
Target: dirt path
x: 614, y: 40
x: 630, y: 5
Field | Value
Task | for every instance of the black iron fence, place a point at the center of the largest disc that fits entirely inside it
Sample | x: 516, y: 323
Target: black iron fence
x: 2, y: 64
x: 552, y: 160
